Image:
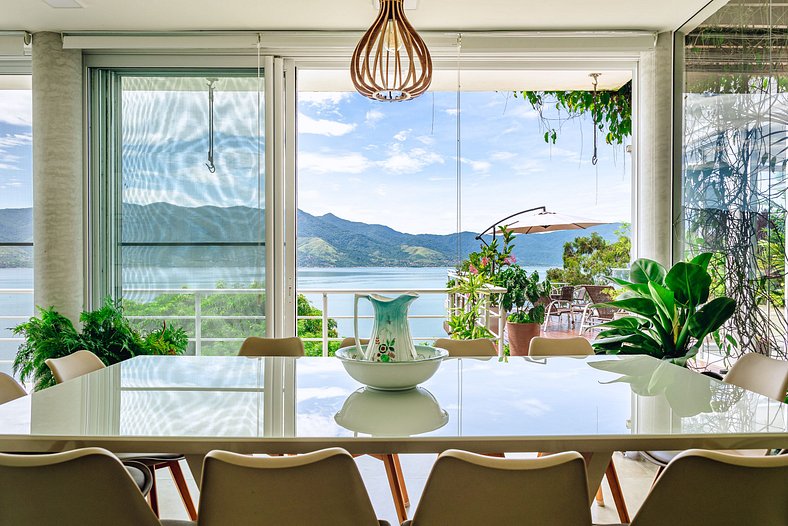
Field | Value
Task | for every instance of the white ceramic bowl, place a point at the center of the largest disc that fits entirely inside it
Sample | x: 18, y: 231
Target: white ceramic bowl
x: 391, y: 413
x: 392, y: 376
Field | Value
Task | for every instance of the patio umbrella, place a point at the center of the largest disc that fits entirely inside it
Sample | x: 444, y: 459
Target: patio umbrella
x: 542, y: 221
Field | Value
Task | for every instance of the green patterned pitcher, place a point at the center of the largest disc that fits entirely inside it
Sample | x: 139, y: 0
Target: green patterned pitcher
x: 390, y: 340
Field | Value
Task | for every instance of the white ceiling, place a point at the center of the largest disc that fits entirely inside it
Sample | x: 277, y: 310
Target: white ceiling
x: 438, y: 15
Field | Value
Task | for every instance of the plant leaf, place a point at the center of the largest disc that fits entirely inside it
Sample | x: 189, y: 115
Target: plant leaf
x: 645, y: 270
x: 702, y: 260
x: 642, y: 306
x: 711, y: 316
x: 690, y: 284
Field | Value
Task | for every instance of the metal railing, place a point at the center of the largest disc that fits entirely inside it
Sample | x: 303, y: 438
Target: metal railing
x: 14, y: 318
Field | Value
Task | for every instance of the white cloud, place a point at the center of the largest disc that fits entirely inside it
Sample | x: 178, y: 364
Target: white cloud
x: 452, y: 111
x: 412, y: 161
x: 17, y: 139
x: 477, y: 166
x: 502, y: 156
x: 16, y: 108
x: 325, y: 127
x: 321, y: 163
x: 372, y: 117
x: 401, y: 135
x: 323, y: 99
x: 426, y: 139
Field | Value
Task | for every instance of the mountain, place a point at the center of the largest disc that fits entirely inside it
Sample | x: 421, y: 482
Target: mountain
x: 323, y: 241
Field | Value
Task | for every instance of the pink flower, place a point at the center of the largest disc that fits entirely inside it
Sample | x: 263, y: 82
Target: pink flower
x: 473, y: 270
x: 485, y: 261
x: 510, y: 259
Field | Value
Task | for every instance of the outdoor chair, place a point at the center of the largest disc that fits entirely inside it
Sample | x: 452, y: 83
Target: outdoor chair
x: 84, y: 362
x: 593, y: 315
x: 578, y: 346
x: 85, y: 486
x: 466, y: 489
x: 467, y: 348
x: 562, y: 304
x: 754, y: 372
x: 396, y: 478
x: 260, y: 491
x: 255, y: 346
x: 738, y: 490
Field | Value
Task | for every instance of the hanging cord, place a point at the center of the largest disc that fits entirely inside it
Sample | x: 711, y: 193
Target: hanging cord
x: 459, y: 155
x: 260, y: 224
x: 595, y: 76
x: 211, y: 88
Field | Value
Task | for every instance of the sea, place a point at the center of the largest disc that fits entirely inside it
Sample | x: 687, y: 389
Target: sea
x: 311, y: 281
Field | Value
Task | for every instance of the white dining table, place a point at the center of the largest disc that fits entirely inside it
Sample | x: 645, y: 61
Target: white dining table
x: 193, y: 404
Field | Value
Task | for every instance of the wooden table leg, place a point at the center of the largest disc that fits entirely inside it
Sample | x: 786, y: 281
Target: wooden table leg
x: 195, y: 466
x: 399, y: 499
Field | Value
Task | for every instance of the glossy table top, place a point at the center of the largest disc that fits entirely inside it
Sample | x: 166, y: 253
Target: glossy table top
x: 298, y: 404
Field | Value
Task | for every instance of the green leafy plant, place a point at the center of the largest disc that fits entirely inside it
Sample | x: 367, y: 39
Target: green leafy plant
x: 491, y: 258
x: 589, y: 259
x: 523, y: 295
x: 463, y: 321
x: 105, y: 332
x: 671, y: 311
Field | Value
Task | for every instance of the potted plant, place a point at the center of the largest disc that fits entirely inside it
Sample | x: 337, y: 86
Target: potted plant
x: 105, y: 332
x: 670, y: 312
x: 522, y: 302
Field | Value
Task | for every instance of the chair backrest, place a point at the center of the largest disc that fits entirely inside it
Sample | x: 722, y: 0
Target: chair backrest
x: 254, y: 346
x: 738, y: 490
x: 759, y: 373
x: 348, y: 342
x: 567, y: 293
x: 477, y: 347
x: 575, y: 346
x: 269, y: 491
x: 74, y: 365
x: 466, y: 489
x: 10, y: 389
x: 85, y: 486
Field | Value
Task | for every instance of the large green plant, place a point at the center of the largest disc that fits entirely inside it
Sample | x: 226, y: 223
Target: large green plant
x: 671, y: 311
x: 464, y: 321
x: 523, y: 292
x: 105, y: 332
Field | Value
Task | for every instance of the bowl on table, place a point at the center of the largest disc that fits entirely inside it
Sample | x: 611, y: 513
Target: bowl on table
x: 392, y: 376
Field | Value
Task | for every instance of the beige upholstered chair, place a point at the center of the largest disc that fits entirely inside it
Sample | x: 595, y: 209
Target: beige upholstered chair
x: 10, y: 389
x: 254, y: 346
x: 578, y: 346
x: 741, y: 490
x: 466, y: 489
x: 460, y: 348
x: 399, y: 491
x: 74, y: 365
x: 575, y: 346
x: 754, y: 372
x: 260, y: 491
x: 84, y: 362
x: 85, y: 486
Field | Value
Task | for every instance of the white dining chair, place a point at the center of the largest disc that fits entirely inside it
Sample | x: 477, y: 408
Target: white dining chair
x: 466, y: 489
x: 10, y: 389
x: 87, y: 487
x: 83, y: 362
x: 467, y: 348
x: 323, y: 488
x: 711, y: 487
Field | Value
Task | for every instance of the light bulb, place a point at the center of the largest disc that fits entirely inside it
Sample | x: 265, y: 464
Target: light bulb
x: 393, y: 38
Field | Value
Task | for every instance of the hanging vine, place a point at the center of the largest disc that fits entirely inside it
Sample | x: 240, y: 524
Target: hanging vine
x: 610, y: 110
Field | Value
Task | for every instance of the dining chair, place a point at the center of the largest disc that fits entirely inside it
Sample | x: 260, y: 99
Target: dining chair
x: 391, y: 462
x: 255, y: 346
x: 467, y: 348
x: 574, y: 346
x: 85, y: 486
x: 560, y: 304
x: 84, y: 362
x: 711, y: 487
x: 754, y: 372
x: 466, y: 489
x: 10, y: 389
x: 579, y: 346
x: 244, y: 490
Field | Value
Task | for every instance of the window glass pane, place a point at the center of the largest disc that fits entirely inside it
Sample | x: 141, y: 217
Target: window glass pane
x: 193, y: 205
x: 16, y: 211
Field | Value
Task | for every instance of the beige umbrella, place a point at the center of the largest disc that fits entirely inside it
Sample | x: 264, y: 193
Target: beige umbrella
x: 540, y: 220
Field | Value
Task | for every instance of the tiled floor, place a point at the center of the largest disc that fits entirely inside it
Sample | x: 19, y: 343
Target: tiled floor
x: 635, y: 475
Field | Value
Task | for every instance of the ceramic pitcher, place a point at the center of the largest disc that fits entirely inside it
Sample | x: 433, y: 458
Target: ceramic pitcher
x: 390, y: 340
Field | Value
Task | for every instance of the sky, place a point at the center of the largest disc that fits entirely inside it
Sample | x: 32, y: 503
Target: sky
x: 389, y: 163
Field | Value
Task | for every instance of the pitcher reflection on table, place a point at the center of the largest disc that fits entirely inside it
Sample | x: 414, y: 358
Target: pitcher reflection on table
x: 390, y: 340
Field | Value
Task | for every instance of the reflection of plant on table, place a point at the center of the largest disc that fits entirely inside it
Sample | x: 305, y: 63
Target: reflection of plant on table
x: 671, y: 313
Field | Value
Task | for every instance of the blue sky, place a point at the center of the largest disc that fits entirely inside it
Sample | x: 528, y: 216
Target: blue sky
x: 394, y: 164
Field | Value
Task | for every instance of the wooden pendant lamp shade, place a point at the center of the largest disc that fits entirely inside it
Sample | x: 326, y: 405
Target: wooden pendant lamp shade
x: 391, y: 61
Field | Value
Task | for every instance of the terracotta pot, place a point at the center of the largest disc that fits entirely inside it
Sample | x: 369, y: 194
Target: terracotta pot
x: 520, y: 336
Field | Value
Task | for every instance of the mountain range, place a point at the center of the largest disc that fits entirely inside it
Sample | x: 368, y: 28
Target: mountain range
x: 323, y: 241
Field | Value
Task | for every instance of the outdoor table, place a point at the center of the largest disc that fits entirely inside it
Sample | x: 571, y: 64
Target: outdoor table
x: 192, y: 405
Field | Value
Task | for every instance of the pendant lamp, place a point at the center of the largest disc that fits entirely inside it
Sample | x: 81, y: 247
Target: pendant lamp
x: 391, y: 61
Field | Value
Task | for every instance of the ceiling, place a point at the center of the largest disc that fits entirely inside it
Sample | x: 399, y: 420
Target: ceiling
x: 437, y: 15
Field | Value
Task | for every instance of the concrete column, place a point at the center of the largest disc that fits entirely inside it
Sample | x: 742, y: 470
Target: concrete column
x: 655, y: 160
x: 57, y: 176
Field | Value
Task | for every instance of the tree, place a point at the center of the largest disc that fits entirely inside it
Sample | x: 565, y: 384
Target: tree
x: 589, y: 259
